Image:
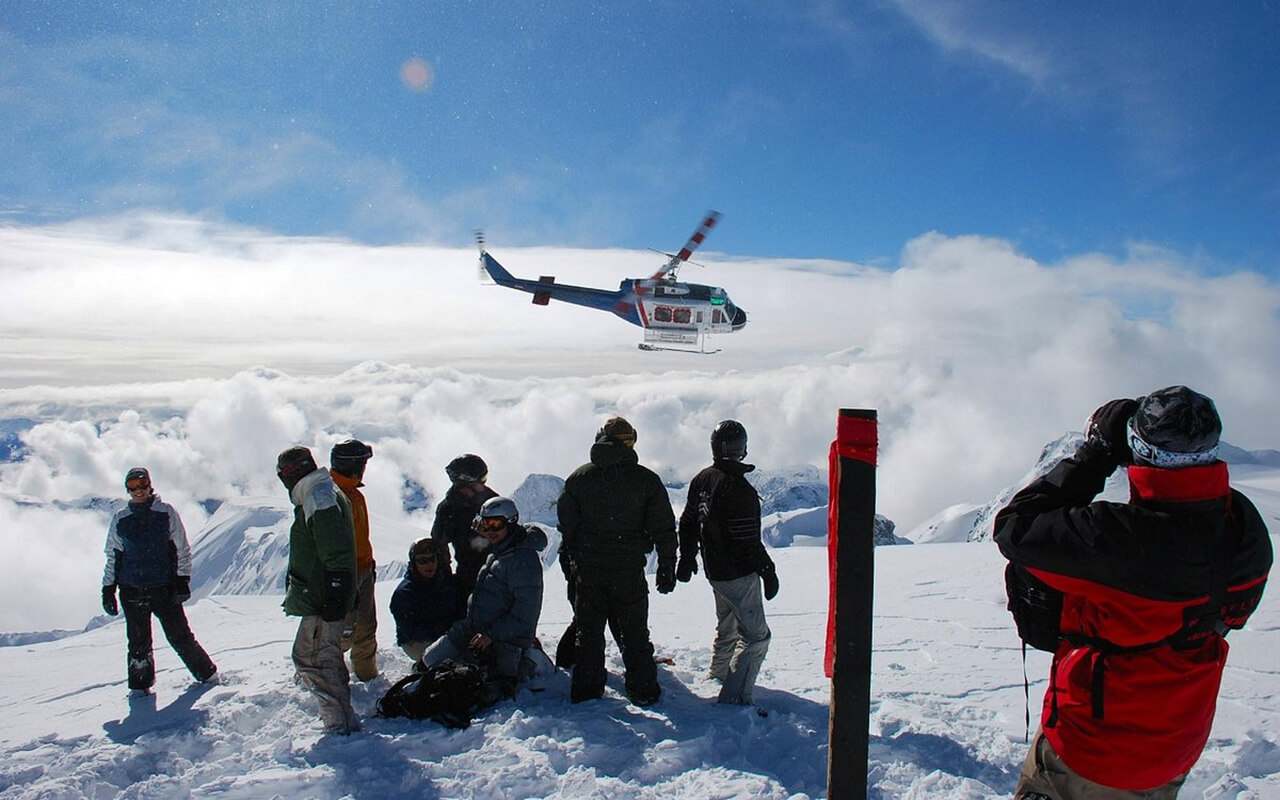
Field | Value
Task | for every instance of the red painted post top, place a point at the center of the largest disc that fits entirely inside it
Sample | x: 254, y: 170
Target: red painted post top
x: 857, y: 434
x: 857, y: 438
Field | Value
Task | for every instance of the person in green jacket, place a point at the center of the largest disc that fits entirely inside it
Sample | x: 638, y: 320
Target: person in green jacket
x: 320, y: 586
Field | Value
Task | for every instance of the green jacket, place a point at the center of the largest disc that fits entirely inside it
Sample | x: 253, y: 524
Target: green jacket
x: 321, y: 541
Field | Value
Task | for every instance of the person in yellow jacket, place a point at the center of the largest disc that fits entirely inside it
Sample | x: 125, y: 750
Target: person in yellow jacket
x: 347, y: 461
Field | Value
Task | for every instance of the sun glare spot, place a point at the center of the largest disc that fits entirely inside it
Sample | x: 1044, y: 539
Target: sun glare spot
x: 416, y: 75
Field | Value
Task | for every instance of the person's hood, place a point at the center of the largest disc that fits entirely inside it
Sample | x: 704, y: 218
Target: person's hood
x: 308, y: 483
x: 609, y: 452
x: 531, y: 537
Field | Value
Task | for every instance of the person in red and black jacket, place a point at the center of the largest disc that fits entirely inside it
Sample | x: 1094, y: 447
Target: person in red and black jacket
x: 1150, y: 589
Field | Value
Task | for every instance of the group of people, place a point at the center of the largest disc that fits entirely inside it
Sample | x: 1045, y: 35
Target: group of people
x: 613, y: 512
x: 482, y: 602
x: 1146, y: 590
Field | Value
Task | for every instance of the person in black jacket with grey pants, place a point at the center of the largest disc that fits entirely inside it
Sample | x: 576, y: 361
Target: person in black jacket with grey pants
x: 722, y: 519
x: 149, y: 559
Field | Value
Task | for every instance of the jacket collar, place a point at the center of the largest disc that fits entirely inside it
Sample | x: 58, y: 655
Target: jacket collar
x: 732, y: 467
x: 1186, y: 485
x: 607, y: 452
x: 345, y: 483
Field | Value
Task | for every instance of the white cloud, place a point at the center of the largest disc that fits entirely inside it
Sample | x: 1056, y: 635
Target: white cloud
x: 973, y: 355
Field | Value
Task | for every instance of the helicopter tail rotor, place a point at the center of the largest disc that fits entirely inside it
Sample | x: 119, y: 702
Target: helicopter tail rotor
x: 481, y: 273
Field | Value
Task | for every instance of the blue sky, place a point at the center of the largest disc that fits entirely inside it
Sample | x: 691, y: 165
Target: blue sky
x: 821, y: 129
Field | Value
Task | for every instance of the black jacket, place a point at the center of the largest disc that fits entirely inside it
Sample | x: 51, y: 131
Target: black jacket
x: 613, y: 512
x: 453, y: 525
x: 722, y: 519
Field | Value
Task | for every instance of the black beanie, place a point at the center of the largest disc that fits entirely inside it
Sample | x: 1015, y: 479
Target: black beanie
x: 1175, y: 427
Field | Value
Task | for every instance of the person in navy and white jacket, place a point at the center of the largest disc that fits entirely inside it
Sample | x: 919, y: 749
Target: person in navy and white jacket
x: 149, y: 561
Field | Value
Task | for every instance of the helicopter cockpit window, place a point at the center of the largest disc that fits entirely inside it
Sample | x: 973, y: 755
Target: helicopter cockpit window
x: 717, y: 317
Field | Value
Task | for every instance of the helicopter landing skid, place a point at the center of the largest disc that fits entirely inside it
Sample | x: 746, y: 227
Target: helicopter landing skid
x: 653, y: 348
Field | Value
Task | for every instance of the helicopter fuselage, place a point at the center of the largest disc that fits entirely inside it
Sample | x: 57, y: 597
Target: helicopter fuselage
x: 649, y: 303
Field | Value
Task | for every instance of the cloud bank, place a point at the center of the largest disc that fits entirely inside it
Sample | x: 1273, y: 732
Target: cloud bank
x: 202, y: 351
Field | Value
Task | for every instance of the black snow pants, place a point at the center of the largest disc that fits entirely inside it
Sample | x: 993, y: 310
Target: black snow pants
x: 138, y: 605
x: 620, y: 600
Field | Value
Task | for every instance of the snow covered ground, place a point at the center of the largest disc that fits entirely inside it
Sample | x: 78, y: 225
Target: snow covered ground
x: 947, y: 707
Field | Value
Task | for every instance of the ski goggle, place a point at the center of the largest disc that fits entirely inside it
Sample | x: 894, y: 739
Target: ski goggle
x: 492, y: 523
x: 138, y: 486
x: 424, y: 559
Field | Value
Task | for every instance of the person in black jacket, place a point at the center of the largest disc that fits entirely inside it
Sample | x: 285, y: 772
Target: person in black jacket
x: 426, y: 602
x: 454, y: 515
x: 612, y: 513
x: 722, y: 519
x: 149, y: 559
x: 1148, y: 591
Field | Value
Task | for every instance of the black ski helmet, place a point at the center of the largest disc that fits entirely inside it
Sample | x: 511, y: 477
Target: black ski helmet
x: 1175, y: 426
x: 293, y: 465
x: 136, y: 473
x: 503, y: 507
x: 349, y: 457
x: 467, y: 468
x: 729, y: 441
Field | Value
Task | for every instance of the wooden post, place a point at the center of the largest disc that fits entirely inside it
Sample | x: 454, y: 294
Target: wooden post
x: 851, y: 562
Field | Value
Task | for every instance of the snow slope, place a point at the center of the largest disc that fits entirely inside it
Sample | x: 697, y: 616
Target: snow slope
x: 947, y: 715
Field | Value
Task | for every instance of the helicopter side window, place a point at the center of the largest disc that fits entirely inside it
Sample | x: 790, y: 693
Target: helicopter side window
x: 717, y: 317
x: 681, y: 316
x: 662, y: 314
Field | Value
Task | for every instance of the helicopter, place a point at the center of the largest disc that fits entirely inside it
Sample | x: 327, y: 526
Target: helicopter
x: 674, y: 315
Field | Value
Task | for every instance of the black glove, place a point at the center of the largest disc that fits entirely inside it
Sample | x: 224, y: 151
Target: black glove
x: 182, y: 588
x: 666, y: 578
x: 109, y: 604
x: 566, y: 565
x: 337, y: 588
x: 1106, y: 436
x: 685, y: 569
x: 769, y: 575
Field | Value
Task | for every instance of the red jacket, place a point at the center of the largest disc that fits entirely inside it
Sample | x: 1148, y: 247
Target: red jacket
x: 1165, y: 575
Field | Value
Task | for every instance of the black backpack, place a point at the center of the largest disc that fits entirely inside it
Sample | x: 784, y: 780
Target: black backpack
x: 1036, y: 608
x: 448, y: 692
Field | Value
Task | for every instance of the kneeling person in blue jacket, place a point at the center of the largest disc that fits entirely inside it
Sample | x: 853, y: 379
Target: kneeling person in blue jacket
x: 426, y: 602
x: 499, y: 630
x: 149, y: 559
